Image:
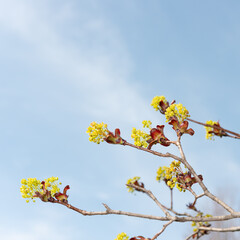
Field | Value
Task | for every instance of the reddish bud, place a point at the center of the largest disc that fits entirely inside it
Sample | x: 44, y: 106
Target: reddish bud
x: 114, y: 138
x: 65, y: 189
x: 62, y: 197
x: 181, y: 128
x: 157, y: 136
x: 218, y: 132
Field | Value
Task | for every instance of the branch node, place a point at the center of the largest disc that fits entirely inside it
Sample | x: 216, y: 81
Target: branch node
x: 108, y: 209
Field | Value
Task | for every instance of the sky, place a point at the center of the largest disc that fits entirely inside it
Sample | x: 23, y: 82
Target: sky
x: 65, y: 64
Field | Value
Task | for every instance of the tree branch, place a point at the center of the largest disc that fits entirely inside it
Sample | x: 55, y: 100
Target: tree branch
x: 230, y: 229
x: 204, y: 188
x: 151, y: 195
x: 219, y: 128
x: 162, y: 230
x: 151, y: 217
x: 168, y: 155
x: 189, y: 237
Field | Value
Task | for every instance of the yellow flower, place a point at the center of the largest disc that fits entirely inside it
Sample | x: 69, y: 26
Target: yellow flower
x: 140, y: 137
x: 179, y: 187
x: 31, y: 185
x: 160, y: 174
x: 132, y: 181
x: 122, y: 236
x: 97, y: 132
x: 169, y: 174
x: 147, y: 124
x: 156, y: 100
x: 209, y: 136
x: 177, y: 110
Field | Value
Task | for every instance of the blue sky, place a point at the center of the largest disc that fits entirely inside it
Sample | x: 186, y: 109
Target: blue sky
x: 65, y: 64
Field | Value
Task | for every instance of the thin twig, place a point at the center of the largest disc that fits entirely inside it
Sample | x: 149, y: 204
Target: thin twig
x: 192, y: 192
x: 184, y: 161
x: 235, y: 137
x: 230, y: 229
x: 168, y: 155
x: 151, y: 195
x: 176, y: 213
x: 219, y: 128
x: 204, y: 188
x: 189, y: 237
x: 197, y: 197
x: 110, y: 211
x: 138, y: 215
x: 162, y: 230
x: 171, y: 195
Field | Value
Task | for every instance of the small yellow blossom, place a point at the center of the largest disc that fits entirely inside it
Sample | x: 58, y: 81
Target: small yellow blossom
x: 160, y: 173
x: 178, y: 186
x: 122, y: 236
x: 177, y: 110
x: 132, y: 181
x: 169, y: 174
x: 31, y: 185
x: 156, y: 100
x: 140, y: 137
x: 196, y: 225
x: 147, y: 124
x: 209, y: 136
x: 97, y: 132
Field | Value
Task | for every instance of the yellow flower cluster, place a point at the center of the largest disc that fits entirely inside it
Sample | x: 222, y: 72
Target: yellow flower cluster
x: 177, y: 110
x: 140, y: 137
x: 168, y: 174
x: 131, y: 181
x: 156, y: 100
x: 31, y: 185
x: 147, y: 124
x: 122, y: 236
x: 208, y: 129
x: 53, y: 184
x: 97, y: 132
x: 196, y: 225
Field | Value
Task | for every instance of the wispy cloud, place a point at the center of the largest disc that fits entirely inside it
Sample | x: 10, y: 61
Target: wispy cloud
x: 97, y: 63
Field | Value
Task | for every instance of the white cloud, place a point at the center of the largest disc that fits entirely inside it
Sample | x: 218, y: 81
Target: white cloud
x: 98, y: 63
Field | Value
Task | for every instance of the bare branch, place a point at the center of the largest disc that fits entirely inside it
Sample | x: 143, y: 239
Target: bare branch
x: 168, y: 155
x: 189, y: 237
x: 151, y: 217
x: 230, y: 229
x: 195, y: 234
x: 176, y: 213
x: 204, y: 188
x: 162, y: 230
x: 196, y: 198
x: 151, y: 195
x: 192, y: 192
x: 109, y: 211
